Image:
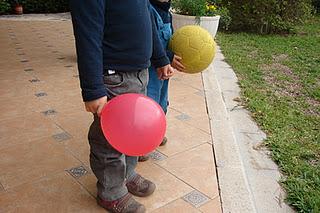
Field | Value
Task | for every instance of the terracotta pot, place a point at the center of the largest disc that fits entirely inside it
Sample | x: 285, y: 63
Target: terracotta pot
x: 18, y: 9
x: 209, y: 23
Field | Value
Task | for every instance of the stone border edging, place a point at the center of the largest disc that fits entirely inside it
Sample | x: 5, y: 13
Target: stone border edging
x: 233, y: 184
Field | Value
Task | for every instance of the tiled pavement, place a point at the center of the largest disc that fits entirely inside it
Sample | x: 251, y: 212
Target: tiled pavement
x: 43, y: 129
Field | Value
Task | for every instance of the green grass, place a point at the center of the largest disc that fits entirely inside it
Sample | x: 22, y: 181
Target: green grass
x: 280, y: 81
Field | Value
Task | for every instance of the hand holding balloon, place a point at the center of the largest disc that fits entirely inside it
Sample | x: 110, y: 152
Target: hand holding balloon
x: 133, y: 124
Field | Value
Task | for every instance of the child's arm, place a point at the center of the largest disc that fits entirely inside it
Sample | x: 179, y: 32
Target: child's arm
x: 88, y: 24
x: 159, y: 57
x: 170, y: 54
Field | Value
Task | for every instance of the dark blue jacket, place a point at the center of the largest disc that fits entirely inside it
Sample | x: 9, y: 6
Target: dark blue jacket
x: 113, y: 35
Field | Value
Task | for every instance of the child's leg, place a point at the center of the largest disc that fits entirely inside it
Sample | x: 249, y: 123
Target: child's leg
x: 109, y: 166
x: 153, y: 91
x: 164, y: 96
x: 154, y: 85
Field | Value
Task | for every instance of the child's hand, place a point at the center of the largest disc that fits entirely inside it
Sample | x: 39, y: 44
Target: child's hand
x: 165, y: 72
x: 96, y: 106
x: 176, y: 63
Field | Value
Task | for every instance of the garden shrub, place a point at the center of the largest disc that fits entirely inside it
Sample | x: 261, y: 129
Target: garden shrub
x: 267, y: 16
x: 5, y: 7
x: 316, y: 4
x: 43, y: 6
x: 203, y: 8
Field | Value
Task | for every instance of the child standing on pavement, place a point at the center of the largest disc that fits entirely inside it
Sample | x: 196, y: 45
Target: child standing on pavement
x: 114, y: 46
x: 157, y: 89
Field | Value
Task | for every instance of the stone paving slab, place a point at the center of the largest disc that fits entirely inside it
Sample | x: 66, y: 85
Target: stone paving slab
x: 43, y: 130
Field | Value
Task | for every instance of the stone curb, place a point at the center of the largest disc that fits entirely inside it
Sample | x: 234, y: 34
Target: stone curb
x: 234, y: 190
x: 248, y: 178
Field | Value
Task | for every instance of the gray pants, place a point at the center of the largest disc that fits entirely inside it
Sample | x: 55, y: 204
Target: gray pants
x: 111, y: 167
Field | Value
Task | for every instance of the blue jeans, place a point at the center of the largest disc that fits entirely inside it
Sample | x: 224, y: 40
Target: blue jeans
x: 158, y: 89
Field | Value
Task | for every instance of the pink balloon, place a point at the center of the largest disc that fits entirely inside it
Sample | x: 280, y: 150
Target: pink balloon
x: 133, y: 124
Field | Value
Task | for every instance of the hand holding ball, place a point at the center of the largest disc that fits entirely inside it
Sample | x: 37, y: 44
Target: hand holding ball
x: 196, y: 47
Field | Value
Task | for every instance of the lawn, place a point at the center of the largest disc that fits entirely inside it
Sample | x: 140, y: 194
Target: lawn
x: 280, y: 80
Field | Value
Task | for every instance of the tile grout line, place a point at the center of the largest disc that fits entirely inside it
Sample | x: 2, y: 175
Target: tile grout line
x: 188, y: 85
x: 1, y: 187
x: 173, y: 202
x: 218, y: 196
x: 188, y: 149
x: 209, y: 198
x: 191, y: 118
x: 79, y: 183
x: 212, y: 145
x: 66, y: 147
x: 39, y: 179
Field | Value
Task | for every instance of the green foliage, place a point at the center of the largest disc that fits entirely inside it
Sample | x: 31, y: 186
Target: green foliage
x: 190, y: 7
x: 5, y: 7
x: 225, y: 19
x: 267, y: 16
x: 200, y: 8
x: 279, y: 79
x: 43, y: 6
x: 316, y: 4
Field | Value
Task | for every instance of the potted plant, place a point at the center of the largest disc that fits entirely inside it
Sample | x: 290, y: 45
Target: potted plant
x: 18, y: 9
x: 205, y: 13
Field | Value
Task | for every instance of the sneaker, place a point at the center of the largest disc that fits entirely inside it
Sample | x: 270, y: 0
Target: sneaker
x: 140, y: 186
x: 164, y: 141
x: 143, y: 158
x: 126, y: 204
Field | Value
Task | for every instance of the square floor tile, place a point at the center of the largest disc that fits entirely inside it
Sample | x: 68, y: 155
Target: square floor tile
x: 40, y: 94
x: 58, y: 193
x: 192, y: 104
x: 89, y: 182
x: 49, y: 112
x: 34, y: 80
x: 200, y: 93
x: 79, y: 148
x: 16, y: 95
x: 183, y: 117
x: 194, y: 167
x: 61, y: 137
x: 78, y: 172
x: 1, y: 188
x: 34, y: 160
x: 169, y: 188
x: 181, y: 136
x: 177, y: 206
x: 212, y: 206
x: 75, y: 122
x: 157, y: 156
x: 196, y: 198
x: 23, y: 129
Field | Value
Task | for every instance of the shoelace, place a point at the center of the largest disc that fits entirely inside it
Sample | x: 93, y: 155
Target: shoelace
x: 139, y: 182
x: 123, y: 203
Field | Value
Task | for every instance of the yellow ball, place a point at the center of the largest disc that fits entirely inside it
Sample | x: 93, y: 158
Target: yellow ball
x: 195, y: 46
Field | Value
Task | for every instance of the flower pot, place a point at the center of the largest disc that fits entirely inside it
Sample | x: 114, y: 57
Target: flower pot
x: 18, y: 9
x: 209, y: 23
